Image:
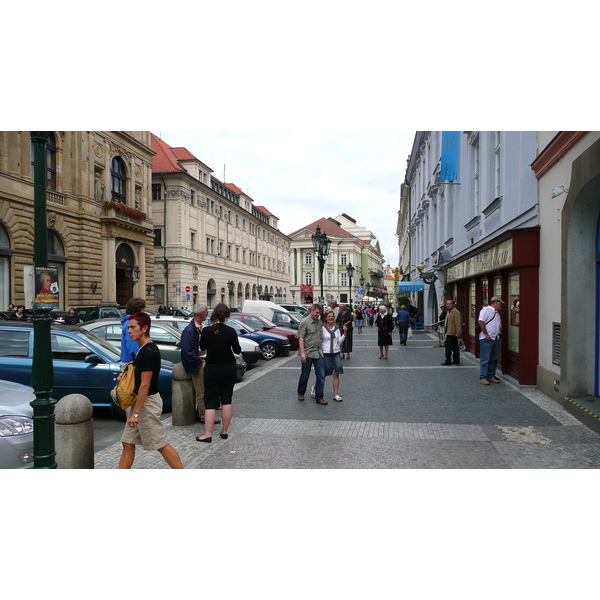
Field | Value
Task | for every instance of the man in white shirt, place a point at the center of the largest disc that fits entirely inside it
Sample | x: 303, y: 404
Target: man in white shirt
x: 489, y: 340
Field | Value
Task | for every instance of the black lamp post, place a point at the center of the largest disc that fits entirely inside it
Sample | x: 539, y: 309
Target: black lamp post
x: 42, y: 371
x: 350, y: 271
x: 368, y: 290
x: 321, y: 247
x: 230, y: 286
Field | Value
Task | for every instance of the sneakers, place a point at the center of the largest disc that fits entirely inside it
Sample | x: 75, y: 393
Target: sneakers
x: 313, y: 393
x: 494, y: 380
x: 484, y: 382
x: 337, y: 398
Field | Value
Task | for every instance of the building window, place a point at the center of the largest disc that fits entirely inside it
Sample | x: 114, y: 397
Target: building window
x: 192, y: 198
x: 343, y: 259
x: 343, y: 278
x: 244, y: 256
x: 237, y: 255
x: 229, y: 251
x: 237, y: 220
x: 308, y: 258
x: 156, y: 191
x: 220, y: 248
x: 329, y: 278
x: 5, y: 253
x: 193, y: 240
x: 158, y: 237
x: 308, y: 278
x: 118, y: 180
x: 475, y: 163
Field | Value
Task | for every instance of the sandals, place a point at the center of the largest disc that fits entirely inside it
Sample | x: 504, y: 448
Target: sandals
x: 337, y: 398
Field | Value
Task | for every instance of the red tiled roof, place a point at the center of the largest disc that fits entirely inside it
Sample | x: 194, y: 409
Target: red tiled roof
x: 331, y: 229
x: 234, y: 188
x: 183, y: 154
x: 165, y: 160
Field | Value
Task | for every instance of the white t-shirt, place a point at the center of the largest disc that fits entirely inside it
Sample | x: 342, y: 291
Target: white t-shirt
x: 494, y: 326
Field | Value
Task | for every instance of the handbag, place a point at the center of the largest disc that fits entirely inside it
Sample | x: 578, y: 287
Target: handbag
x: 122, y: 394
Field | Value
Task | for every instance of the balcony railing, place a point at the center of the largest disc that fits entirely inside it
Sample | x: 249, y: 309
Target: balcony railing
x: 55, y: 198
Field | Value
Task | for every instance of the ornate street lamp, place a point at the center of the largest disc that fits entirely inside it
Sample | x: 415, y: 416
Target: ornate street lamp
x: 321, y: 247
x: 350, y: 270
x: 230, y: 286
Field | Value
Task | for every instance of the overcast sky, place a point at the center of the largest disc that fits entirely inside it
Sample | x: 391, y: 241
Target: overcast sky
x: 303, y: 176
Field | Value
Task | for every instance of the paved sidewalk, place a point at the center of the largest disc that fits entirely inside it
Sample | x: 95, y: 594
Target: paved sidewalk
x: 496, y: 427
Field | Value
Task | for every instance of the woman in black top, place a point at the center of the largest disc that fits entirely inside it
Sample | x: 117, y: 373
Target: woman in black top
x: 144, y: 425
x: 345, y: 318
x: 385, y: 326
x: 220, y: 342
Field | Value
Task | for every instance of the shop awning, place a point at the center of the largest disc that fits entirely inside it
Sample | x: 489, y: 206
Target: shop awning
x: 410, y: 286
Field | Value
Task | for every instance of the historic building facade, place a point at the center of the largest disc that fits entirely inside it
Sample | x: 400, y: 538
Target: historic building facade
x: 212, y: 244
x: 100, y: 236
x: 568, y: 171
x: 474, y: 233
x: 350, y: 245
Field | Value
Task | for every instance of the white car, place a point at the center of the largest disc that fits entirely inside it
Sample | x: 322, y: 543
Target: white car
x: 16, y: 425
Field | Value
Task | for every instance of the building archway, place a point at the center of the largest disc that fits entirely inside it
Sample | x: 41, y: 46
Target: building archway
x: 580, y: 329
x: 125, y: 263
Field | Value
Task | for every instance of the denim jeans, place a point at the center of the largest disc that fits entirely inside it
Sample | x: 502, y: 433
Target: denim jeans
x: 319, y: 364
x: 488, y: 357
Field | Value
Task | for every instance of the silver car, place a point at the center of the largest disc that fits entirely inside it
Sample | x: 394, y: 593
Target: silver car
x: 16, y: 425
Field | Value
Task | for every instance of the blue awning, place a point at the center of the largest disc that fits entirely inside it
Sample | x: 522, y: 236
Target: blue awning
x: 410, y: 286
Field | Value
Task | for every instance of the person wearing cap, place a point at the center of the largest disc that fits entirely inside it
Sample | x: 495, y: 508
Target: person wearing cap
x: 489, y: 340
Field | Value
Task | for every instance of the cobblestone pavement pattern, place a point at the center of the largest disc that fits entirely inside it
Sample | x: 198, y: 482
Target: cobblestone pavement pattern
x: 409, y: 412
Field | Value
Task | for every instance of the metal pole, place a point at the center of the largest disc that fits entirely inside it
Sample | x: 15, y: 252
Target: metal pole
x: 42, y: 373
x: 321, y: 268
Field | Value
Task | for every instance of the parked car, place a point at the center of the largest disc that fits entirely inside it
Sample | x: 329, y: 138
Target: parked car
x: 295, y: 308
x: 271, y: 344
x: 16, y: 425
x: 83, y: 363
x: 250, y: 349
x: 167, y: 338
x: 260, y: 323
x: 89, y: 313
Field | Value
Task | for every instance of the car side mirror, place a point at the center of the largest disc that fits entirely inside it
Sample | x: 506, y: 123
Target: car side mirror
x: 93, y: 359
x: 178, y: 345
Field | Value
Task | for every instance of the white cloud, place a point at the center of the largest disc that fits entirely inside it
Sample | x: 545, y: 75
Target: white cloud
x: 301, y: 176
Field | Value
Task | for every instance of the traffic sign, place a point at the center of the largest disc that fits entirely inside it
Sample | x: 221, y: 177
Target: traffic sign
x: 188, y: 288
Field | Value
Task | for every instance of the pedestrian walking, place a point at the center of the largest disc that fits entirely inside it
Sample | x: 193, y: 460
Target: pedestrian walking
x: 346, y: 318
x: 192, y: 358
x: 72, y: 318
x: 19, y: 314
x: 333, y: 338
x: 385, y: 327
x: 310, y: 335
x: 403, y: 322
x: 359, y: 319
x: 489, y: 340
x: 144, y: 425
x: 453, y: 326
x: 221, y: 343
x: 129, y: 347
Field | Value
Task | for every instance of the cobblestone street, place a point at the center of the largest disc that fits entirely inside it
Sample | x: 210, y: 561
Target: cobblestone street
x: 409, y: 412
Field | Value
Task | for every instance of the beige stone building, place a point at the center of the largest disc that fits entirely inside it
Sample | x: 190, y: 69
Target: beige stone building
x: 212, y: 244
x: 350, y: 245
x: 99, y: 227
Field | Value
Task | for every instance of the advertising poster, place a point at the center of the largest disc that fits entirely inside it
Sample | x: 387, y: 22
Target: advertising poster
x: 46, y: 288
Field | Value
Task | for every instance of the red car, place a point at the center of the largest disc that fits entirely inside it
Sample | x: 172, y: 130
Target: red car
x: 261, y: 323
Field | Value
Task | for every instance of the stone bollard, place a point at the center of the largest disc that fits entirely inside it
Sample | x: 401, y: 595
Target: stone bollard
x: 74, y: 432
x: 183, y: 397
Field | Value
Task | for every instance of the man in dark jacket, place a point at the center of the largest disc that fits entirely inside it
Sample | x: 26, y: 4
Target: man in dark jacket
x: 191, y: 360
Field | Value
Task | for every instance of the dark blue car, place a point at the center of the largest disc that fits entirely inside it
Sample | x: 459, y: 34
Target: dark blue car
x: 271, y: 344
x: 83, y: 363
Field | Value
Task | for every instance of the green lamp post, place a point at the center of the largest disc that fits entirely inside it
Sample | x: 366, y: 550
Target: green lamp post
x: 42, y: 373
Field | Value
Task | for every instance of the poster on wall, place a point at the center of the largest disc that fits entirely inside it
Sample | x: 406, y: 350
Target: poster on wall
x: 514, y: 311
x: 46, y: 288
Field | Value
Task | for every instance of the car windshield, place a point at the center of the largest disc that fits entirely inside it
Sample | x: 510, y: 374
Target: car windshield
x: 96, y: 341
x: 296, y: 317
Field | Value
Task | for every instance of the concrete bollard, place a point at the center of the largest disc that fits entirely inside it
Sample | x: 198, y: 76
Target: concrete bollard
x: 183, y: 397
x: 74, y: 432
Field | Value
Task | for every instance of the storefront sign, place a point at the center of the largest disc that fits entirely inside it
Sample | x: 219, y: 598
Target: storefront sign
x: 449, y: 160
x: 498, y: 257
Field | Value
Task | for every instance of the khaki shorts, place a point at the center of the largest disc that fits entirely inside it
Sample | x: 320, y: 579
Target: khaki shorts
x: 149, y: 432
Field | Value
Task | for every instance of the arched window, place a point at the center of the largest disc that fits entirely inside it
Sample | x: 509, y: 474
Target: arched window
x: 50, y: 162
x: 56, y: 258
x: 308, y: 258
x: 118, y: 181
x: 308, y: 278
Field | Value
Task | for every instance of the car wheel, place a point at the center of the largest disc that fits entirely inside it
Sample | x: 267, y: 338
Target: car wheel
x: 269, y: 350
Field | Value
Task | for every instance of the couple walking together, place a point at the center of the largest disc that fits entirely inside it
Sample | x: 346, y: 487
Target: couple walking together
x: 320, y: 346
